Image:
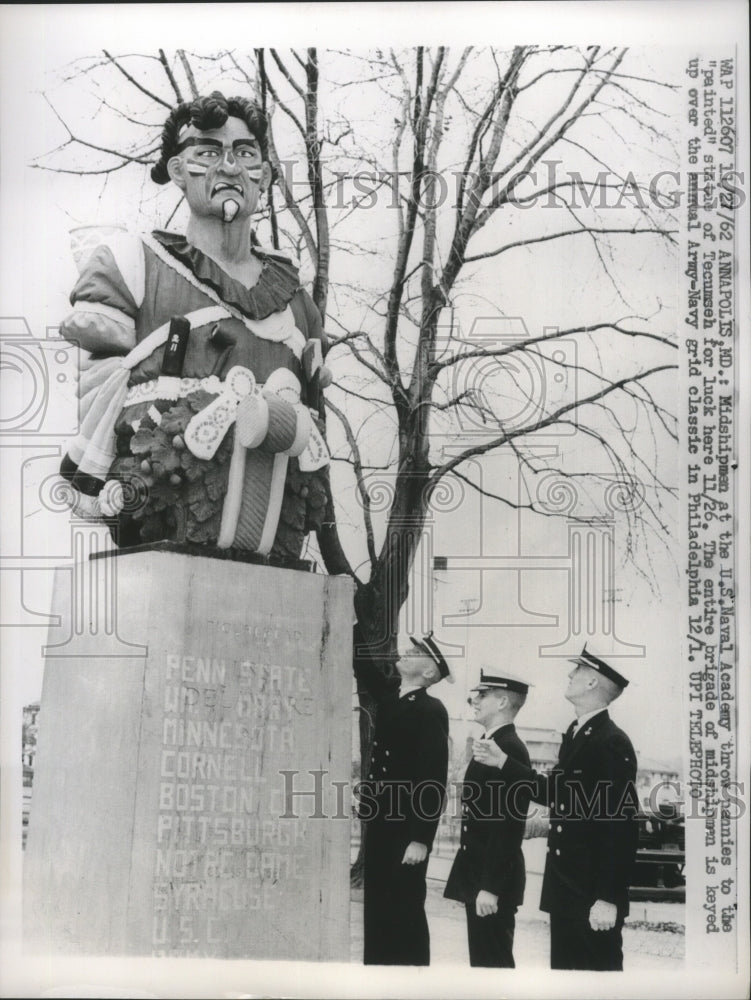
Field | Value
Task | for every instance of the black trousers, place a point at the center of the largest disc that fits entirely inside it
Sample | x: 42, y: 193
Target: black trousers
x: 574, y: 945
x: 396, y: 928
x: 491, y: 938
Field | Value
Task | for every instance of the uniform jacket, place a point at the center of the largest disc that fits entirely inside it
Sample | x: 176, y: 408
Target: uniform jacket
x: 493, y: 818
x: 593, y: 804
x: 405, y: 788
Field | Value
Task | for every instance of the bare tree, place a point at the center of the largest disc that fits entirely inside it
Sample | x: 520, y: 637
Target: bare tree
x: 427, y: 177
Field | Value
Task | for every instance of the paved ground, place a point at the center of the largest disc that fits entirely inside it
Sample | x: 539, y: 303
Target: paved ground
x: 653, y: 937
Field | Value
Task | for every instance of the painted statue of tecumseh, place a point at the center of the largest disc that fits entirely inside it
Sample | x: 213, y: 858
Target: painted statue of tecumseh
x: 200, y: 389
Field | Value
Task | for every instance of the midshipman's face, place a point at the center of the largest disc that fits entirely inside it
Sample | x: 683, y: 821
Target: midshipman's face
x: 578, y: 682
x: 484, y: 705
x: 412, y: 664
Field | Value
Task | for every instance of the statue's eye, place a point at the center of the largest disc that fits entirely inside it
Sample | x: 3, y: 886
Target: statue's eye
x: 207, y: 153
x: 246, y: 153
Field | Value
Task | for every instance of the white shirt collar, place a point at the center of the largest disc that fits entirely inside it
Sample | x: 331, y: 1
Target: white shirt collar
x: 586, y: 717
x: 408, y: 689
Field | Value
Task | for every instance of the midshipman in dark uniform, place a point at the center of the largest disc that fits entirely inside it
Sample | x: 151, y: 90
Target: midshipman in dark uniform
x: 488, y: 873
x: 593, y: 834
x: 402, y: 798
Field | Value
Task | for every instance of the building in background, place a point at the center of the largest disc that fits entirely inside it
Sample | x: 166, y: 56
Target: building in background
x: 29, y: 735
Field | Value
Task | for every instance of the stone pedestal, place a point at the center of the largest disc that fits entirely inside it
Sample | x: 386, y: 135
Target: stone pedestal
x: 166, y: 817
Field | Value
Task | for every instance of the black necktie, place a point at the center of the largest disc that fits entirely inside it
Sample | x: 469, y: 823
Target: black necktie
x: 568, y: 735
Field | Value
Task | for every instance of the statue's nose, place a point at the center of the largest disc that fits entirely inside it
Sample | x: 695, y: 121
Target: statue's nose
x: 229, y: 162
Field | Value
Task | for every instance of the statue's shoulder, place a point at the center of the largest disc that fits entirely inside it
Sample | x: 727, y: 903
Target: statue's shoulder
x: 121, y: 241
x: 109, y: 256
x: 283, y: 256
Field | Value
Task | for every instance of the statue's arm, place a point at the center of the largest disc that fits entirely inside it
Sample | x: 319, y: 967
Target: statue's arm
x: 104, y: 307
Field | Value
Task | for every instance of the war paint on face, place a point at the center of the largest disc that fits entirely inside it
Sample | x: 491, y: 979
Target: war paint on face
x: 224, y: 170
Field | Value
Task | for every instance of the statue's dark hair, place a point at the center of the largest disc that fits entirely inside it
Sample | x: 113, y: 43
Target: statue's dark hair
x: 207, y: 113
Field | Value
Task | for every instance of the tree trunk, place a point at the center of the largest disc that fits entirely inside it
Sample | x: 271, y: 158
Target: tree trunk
x: 366, y: 725
x: 377, y: 607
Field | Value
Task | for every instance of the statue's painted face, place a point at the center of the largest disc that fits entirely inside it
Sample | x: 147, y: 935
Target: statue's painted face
x: 221, y: 171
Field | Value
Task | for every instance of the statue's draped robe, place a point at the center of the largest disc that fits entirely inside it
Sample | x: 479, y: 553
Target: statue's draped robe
x: 131, y: 286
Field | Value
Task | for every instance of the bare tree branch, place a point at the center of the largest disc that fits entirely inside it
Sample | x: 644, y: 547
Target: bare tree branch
x: 170, y: 75
x: 486, y: 446
x: 313, y: 153
x: 285, y: 107
x: 585, y: 230
x: 528, y: 342
x: 188, y: 72
x: 289, y: 201
x: 135, y: 82
x: 286, y: 73
x: 361, y: 487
